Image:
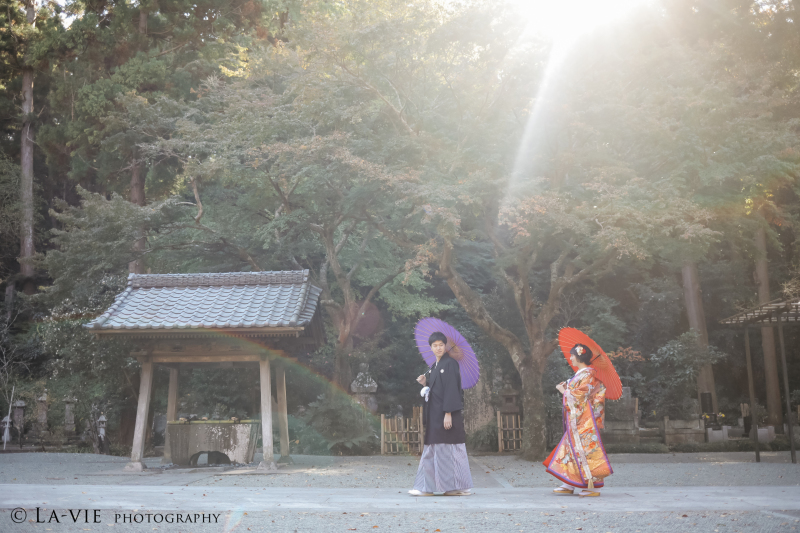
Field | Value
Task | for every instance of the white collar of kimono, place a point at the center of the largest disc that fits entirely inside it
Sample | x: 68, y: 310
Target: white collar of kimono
x: 584, y: 369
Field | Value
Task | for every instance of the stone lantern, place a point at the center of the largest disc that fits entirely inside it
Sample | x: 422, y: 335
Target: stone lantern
x: 69, y: 416
x: 101, y: 434
x: 18, y: 416
x: 509, y: 400
x: 41, y: 415
x: 365, y: 388
x: 5, y: 428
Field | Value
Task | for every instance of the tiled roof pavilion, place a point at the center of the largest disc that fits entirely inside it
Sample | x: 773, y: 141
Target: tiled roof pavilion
x: 170, y: 317
x: 257, y: 303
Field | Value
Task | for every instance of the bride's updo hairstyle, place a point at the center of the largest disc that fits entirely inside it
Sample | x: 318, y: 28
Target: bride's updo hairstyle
x: 582, y: 353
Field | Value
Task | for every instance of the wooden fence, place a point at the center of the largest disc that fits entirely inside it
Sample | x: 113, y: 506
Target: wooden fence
x: 509, y: 432
x: 401, y: 435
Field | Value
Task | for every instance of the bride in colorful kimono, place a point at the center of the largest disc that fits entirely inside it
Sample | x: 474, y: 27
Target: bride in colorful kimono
x: 580, y: 460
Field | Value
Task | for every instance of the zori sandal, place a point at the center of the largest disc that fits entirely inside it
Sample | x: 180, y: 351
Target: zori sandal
x: 588, y: 494
x: 562, y: 490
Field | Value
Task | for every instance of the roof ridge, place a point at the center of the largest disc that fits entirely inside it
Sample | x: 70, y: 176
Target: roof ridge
x: 218, y: 279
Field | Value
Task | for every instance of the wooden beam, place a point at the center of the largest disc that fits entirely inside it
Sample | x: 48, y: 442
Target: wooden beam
x: 197, y: 358
x: 236, y: 364
x: 383, y: 434
x: 145, y: 388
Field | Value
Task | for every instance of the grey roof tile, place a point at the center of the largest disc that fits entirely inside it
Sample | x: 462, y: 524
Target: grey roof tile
x: 236, y: 299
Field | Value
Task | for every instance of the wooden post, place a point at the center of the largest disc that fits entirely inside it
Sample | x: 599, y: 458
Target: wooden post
x: 283, y: 415
x: 268, y: 462
x: 172, y: 412
x: 752, y: 409
x: 421, y: 430
x: 383, y: 434
x: 786, y: 390
x: 499, y: 432
x: 145, y: 387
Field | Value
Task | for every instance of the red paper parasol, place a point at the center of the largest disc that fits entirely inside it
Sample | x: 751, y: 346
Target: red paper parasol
x: 604, y: 370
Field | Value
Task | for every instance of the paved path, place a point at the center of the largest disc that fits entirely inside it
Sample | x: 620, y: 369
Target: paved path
x: 664, y: 493
x: 206, y: 499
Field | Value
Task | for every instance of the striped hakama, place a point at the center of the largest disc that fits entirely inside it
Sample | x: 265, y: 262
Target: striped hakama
x: 443, y: 467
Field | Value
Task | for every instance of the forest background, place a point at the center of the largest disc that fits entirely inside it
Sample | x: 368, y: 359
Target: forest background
x: 638, y: 181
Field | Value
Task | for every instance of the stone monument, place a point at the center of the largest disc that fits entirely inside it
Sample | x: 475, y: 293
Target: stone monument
x: 40, y: 429
x: 365, y: 388
x: 622, y: 419
x: 18, y: 417
x: 69, y: 416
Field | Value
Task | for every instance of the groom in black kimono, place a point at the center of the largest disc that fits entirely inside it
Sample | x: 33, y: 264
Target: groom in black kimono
x: 444, y: 466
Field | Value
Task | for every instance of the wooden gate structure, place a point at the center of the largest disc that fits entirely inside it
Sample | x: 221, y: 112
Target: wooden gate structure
x: 400, y: 435
x: 775, y: 313
x: 509, y: 432
x: 230, y: 320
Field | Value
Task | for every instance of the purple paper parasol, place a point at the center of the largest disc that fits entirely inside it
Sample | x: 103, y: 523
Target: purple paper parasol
x: 457, y: 346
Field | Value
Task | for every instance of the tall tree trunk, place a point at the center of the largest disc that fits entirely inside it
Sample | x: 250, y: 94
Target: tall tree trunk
x: 693, y: 300
x: 137, y: 177
x: 26, y: 250
x: 143, y: 21
x: 137, y: 197
x: 761, y: 274
x: 534, y: 408
x: 529, y: 364
x: 342, y: 370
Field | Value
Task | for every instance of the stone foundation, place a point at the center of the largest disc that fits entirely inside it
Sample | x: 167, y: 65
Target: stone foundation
x: 236, y: 440
x: 681, y: 431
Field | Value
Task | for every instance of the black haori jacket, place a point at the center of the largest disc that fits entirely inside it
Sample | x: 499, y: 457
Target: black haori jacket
x: 445, y: 397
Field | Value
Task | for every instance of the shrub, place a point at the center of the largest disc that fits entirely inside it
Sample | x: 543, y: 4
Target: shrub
x: 346, y: 427
x: 677, y: 364
x: 484, y: 439
x: 303, y: 439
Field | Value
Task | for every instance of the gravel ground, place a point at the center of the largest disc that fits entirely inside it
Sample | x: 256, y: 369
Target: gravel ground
x: 630, y: 470
x: 676, y: 470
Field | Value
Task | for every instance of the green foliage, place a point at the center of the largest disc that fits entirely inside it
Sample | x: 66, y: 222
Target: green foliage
x: 671, y: 389
x: 795, y: 397
x: 220, y: 393
x: 344, y: 424
x: 303, y: 439
x: 602, y: 324
x: 96, y: 239
x: 9, y: 212
x: 484, y: 439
